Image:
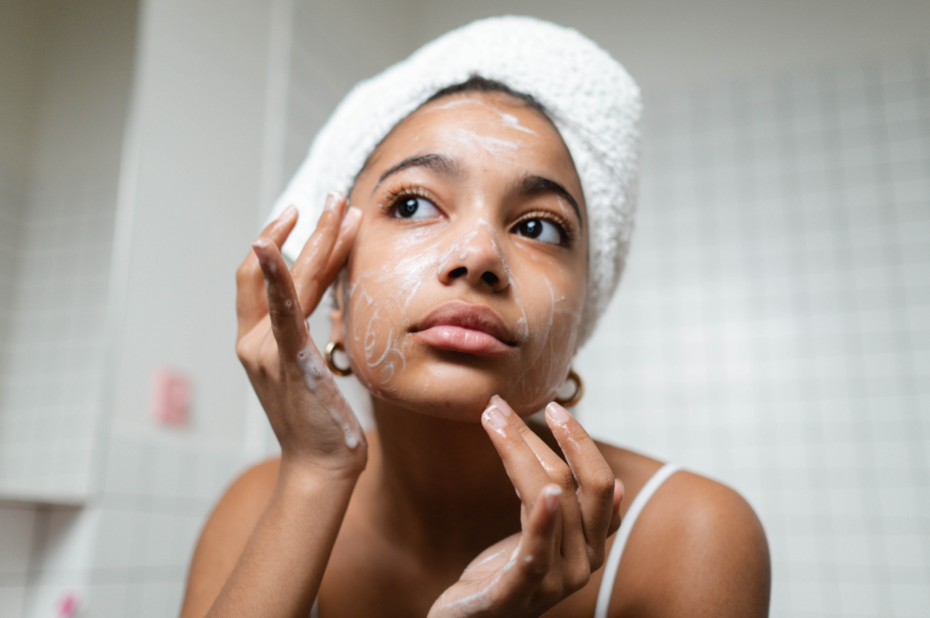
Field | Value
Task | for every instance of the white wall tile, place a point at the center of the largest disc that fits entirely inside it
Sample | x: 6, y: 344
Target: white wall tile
x: 857, y: 600
x: 44, y: 600
x: 159, y: 599
x: 123, y: 467
x: 114, y: 540
x: 106, y: 600
x: 822, y: 342
x: 162, y: 529
x: 66, y: 540
x: 55, y: 302
x: 910, y: 599
x: 12, y: 600
x: 17, y: 539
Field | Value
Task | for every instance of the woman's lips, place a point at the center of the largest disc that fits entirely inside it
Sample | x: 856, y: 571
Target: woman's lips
x: 462, y: 327
x: 459, y: 339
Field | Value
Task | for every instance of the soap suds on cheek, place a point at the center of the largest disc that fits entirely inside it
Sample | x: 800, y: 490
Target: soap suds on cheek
x: 365, y: 309
x: 380, y: 341
x: 378, y: 320
x: 320, y: 382
x: 522, y: 325
x: 549, y: 353
x: 523, y: 328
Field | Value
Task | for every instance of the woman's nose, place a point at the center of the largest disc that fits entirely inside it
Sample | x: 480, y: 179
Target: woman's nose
x: 476, y: 257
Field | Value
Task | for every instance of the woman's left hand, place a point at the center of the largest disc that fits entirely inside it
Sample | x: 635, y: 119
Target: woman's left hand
x: 567, y: 513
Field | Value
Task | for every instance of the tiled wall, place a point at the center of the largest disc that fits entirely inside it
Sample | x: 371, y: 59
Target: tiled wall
x: 17, y: 521
x: 17, y: 532
x: 773, y: 326
x: 124, y: 554
x: 180, y: 233
x: 50, y: 385
x: 51, y: 382
x: 127, y: 553
x: 11, y: 206
x: 71, y: 66
x: 55, y: 255
x: 335, y: 44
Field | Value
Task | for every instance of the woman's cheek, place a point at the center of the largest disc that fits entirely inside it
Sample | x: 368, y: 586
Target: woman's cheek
x: 374, y: 337
x: 380, y: 293
x: 553, y: 316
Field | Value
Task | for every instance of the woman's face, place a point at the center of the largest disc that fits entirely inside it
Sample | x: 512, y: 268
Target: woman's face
x: 469, y: 272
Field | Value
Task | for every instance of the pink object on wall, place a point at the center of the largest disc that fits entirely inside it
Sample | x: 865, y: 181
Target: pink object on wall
x: 171, y: 395
x: 68, y: 605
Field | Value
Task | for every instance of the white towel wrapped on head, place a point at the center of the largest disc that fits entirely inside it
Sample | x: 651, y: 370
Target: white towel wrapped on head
x: 591, y: 99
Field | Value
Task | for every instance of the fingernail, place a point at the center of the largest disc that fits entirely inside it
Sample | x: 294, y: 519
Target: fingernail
x: 284, y: 216
x: 261, y: 242
x: 551, y: 495
x: 494, y: 416
x: 557, y: 413
x: 500, y: 404
x: 352, y: 215
x: 332, y: 198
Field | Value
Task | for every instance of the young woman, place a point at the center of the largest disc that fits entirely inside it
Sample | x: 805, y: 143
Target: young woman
x: 468, y: 269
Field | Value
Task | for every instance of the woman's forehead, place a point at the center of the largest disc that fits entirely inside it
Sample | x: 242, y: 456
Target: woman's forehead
x: 473, y: 128
x: 499, y: 106
x: 495, y: 114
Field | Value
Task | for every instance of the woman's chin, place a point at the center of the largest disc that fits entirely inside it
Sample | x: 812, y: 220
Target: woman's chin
x: 459, y: 393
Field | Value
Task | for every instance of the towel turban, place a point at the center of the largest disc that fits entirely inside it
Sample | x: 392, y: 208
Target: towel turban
x: 589, y: 96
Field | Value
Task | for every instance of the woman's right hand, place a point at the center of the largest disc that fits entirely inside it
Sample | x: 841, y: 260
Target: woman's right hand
x: 310, y: 418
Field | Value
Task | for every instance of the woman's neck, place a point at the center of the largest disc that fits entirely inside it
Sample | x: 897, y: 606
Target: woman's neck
x: 439, y: 484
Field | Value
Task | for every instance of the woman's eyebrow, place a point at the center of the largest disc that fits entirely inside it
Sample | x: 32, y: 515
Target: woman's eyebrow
x: 436, y: 162
x: 536, y: 185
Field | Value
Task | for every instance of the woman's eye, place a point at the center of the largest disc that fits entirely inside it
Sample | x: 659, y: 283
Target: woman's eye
x: 540, y: 229
x: 415, y: 208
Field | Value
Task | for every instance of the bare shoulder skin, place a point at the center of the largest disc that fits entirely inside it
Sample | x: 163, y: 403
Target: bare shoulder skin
x: 225, y: 535
x: 697, y: 549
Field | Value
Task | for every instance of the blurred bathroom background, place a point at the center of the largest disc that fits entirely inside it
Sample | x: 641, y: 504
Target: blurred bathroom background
x: 772, y: 329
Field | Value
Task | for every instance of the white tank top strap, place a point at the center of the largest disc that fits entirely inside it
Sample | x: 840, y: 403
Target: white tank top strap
x: 606, y: 590
x: 314, y: 612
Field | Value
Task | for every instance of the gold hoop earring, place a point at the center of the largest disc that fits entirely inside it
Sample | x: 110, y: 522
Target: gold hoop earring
x: 331, y: 348
x: 577, y: 395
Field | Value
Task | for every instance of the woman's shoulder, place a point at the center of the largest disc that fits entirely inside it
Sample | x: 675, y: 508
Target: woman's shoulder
x: 696, y: 548
x: 242, y: 504
x: 226, y: 533
x: 686, y: 488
